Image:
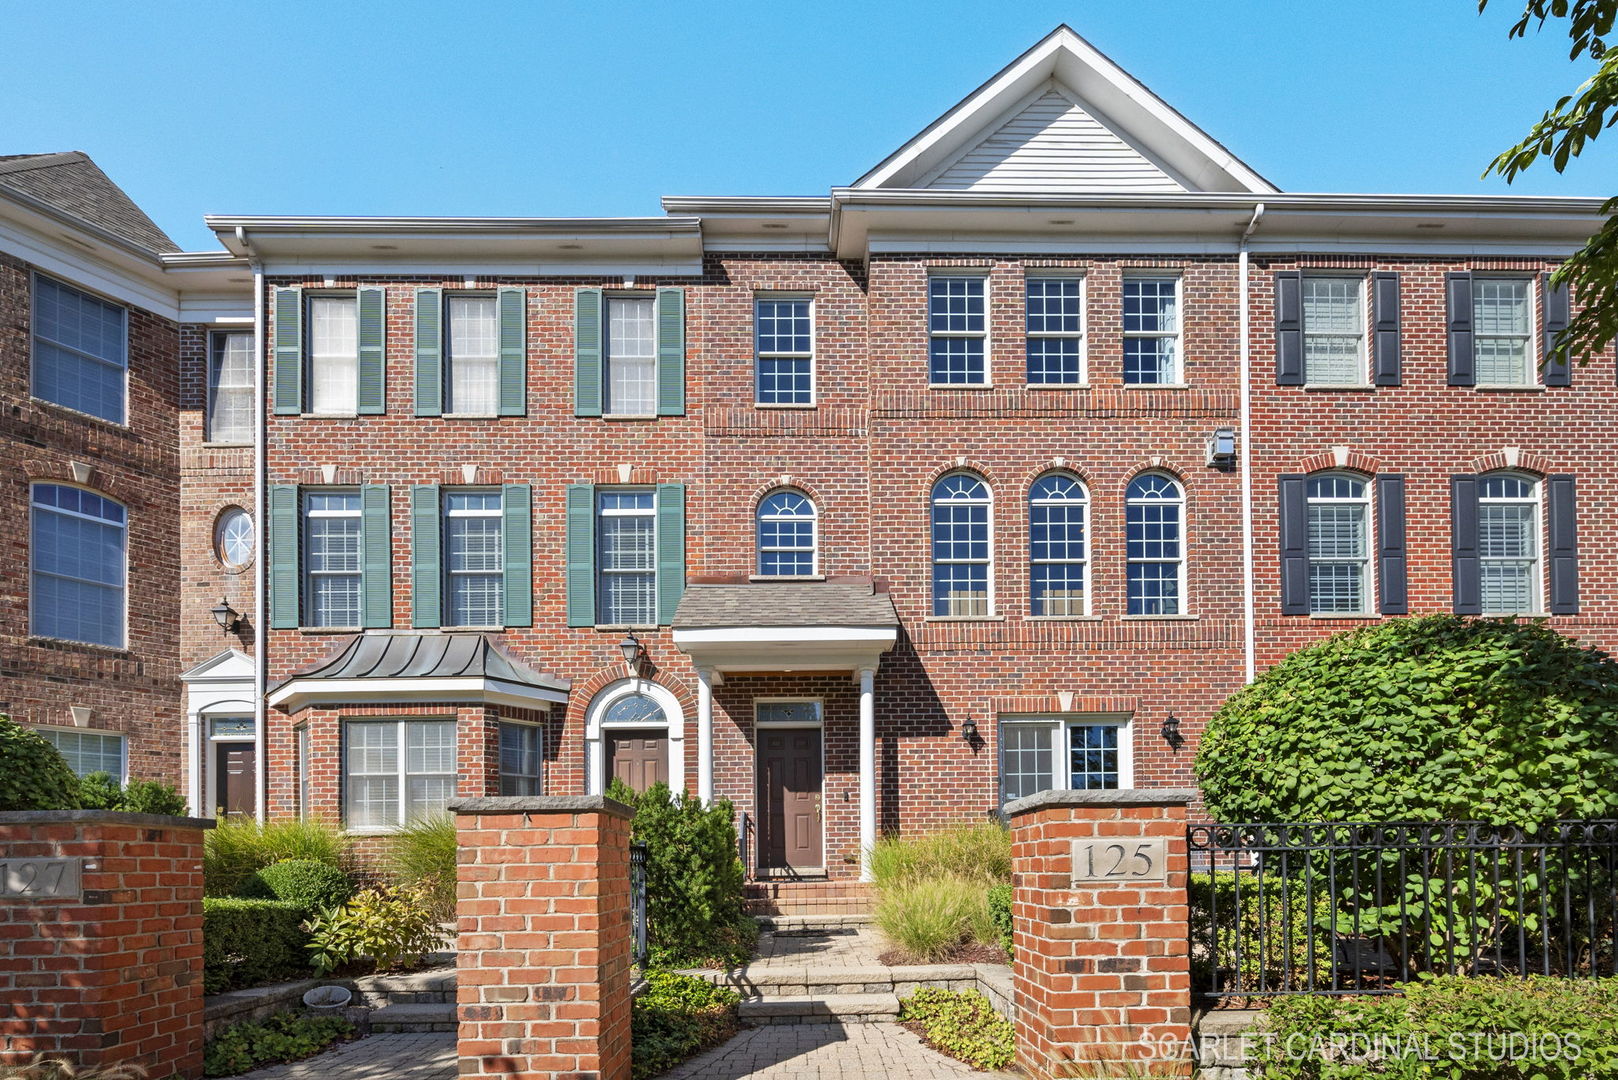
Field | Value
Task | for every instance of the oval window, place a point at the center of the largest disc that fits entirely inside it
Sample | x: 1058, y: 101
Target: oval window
x: 233, y: 537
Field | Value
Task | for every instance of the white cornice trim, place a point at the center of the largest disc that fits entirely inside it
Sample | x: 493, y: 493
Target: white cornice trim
x: 296, y: 694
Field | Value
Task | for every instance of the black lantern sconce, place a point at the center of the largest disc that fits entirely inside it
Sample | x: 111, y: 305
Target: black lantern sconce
x: 634, y: 652
x: 969, y: 729
x: 1171, y: 731
x: 228, y: 618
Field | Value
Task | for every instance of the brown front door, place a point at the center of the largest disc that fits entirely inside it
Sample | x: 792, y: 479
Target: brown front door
x: 234, y: 778
x: 789, y: 798
x: 638, y: 760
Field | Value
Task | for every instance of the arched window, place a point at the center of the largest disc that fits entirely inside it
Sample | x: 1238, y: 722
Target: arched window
x: 1339, y: 514
x: 634, y: 732
x: 1508, y: 543
x: 786, y: 535
x: 1154, y: 514
x: 77, y: 566
x: 961, y: 549
x: 634, y: 709
x: 1057, y: 517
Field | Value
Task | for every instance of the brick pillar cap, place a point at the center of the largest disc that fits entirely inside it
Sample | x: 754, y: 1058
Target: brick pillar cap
x: 101, y: 817
x: 541, y: 804
x: 1048, y: 800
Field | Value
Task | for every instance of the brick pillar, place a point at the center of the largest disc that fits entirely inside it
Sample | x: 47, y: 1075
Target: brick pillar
x: 1100, y: 911
x: 101, y: 934
x: 544, y: 948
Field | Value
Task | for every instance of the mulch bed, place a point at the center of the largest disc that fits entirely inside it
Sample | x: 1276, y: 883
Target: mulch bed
x: 967, y: 952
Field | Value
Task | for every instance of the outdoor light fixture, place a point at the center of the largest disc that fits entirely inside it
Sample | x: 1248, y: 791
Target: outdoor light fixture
x: 633, y: 651
x: 1222, y: 447
x: 1171, y: 731
x: 969, y: 729
x: 226, y: 616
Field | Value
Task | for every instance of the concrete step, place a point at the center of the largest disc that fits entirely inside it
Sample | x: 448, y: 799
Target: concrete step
x: 780, y: 982
x: 428, y: 1017
x: 800, y: 924
x: 828, y: 1009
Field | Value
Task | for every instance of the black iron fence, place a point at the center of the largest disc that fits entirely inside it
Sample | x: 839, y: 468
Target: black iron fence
x: 1360, y: 908
x: 746, y: 842
x: 637, y: 899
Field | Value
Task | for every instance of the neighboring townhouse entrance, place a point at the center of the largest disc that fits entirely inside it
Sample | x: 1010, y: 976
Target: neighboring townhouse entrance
x: 235, y: 776
x: 637, y: 759
x: 789, y: 793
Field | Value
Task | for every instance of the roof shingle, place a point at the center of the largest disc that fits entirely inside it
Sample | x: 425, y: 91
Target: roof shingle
x: 73, y: 184
x: 786, y: 603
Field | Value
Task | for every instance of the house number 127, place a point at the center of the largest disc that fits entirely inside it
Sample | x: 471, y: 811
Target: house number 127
x: 1121, y: 859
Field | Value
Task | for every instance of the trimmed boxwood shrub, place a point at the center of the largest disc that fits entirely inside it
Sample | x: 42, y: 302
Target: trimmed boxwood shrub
x: 99, y: 791
x: 1000, y: 915
x: 309, y: 884
x: 675, y: 1017
x: 33, y: 775
x: 237, y: 847
x: 248, y: 942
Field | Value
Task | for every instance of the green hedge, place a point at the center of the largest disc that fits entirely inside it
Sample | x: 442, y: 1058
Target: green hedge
x: 962, y: 1024
x: 250, y: 942
x: 285, y: 1036
x: 1279, y: 946
x: 309, y: 884
x: 678, y: 1016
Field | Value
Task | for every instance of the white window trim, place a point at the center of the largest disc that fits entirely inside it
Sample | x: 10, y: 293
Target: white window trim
x: 606, y: 353
x: 1185, y: 552
x: 1178, y: 335
x: 988, y: 349
x: 760, y: 355
x: 241, y: 711
x: 309, y: 352
x: 122, y: 736
x: 1059, y: 763
x: 401, y: 727
x: 33, y: 602
x: 209, y: 384
x: 595, y: 743
x: 446, y: 514
x: 1536, y: 571
x: 300, y: 748
x: 33, y: 353
x: 1535, y: 374
x: 307, y: 576
x: 1363, y: 370
x: 1366, y: 607
x: 990, y: 608
x: 814, y: 535
x: 219, y: 537
x: 500, y: 771
x: 818, y: 722
x: 448, y: 355
x: 1082, y: 334
x: 1084, y: 563
x: 600, y: 571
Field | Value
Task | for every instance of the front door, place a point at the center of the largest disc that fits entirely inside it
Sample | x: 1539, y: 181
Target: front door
x: 234, y: 778
x: 789, y: 798
x: 638, y: 760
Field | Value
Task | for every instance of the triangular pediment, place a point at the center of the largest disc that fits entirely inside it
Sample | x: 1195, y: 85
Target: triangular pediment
x: 1064, y: 119
x: 229, y: 666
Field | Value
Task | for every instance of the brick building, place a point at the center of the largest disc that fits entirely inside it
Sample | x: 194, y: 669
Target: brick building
x: 996, y: 470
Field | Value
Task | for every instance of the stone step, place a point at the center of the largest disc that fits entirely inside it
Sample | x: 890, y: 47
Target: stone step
x: 797, y: 924
x: 430, y: 1017
x: 827, y: 1009
x: 775, y: 981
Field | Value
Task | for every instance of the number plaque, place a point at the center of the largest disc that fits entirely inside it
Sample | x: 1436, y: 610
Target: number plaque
x: 1119, y: 860
x: 37, y: 879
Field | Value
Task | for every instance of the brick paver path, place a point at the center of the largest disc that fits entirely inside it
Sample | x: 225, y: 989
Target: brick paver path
x: 428, y: 1056
x: 840, y: 947
x: 823, y: 1052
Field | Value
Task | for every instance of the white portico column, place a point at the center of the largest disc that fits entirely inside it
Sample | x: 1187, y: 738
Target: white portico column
x: 867, y: 771
x: 705, y: 735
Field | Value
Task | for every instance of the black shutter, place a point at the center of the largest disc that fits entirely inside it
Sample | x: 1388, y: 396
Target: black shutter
x: 1466, y: 571
x: 1392, y: 592
x: 1564, y: 561
x: 1458, y: 295
x: 1557, y: 314
x: 1288, y: 328
x: 1294, y: 546
x: 1385, y: 328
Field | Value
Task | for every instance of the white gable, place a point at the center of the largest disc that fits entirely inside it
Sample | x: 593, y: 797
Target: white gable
x: 1053, y: 144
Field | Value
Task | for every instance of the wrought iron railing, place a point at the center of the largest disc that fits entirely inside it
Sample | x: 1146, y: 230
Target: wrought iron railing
x: 746, y: 841
x: 637, y: 899
x: 1360, y: 908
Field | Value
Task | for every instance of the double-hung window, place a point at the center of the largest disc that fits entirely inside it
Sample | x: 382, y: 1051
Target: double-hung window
x: 1333, y: 331
x: 81, y: 350
x: 1154, y: 510
x: 332, y: 559
x: 89, y: 752
x: 1502, y: 331
x: 77, y: 560
x: 786, y: 535
x: 333, y: 355
x: 784, y: 345
x: 1508, y: 544
x: 230, y: 387
x: 395, y: 771
x: 1151, y: 331
x: 474, y: 559
x: 958, y: 330
x: 630, y: 386
x: 1057, y: 508
x: 1042, y: 753
x: 471, y: 356
x: 522, y: 759
x: 1339, y: 511
x: 626, y: 556
x: 1055, y: 331
x: 961, y: 546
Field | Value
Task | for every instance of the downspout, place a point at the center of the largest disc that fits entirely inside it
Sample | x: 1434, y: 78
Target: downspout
x: 261, y: 532
x: 1249, y: 630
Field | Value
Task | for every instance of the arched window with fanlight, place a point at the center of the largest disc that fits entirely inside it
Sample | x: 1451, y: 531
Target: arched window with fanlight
x: 962, y: 575
x: 787, y: 535
x: 1338, y: 510
x: 1154, y: 515
x: 1508, y: 543
x: 1058, y: 509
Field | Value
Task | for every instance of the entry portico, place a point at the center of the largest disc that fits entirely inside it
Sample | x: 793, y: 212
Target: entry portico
x: 787, y: 628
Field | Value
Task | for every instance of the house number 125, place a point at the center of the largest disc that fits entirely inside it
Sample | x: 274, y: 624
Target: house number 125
x: 1120, y: 859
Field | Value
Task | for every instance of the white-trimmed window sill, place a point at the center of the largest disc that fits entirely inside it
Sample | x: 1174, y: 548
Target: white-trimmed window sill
x: 959, y: 386
x: 1063, y: 618
x: 621, y: 627
x: 1160, y: 618
x: 1056, y: 386
x: 1510, y: 388
x: 1326, y: 388
x: 964, y: 618
x: 1156, y: 386
x: 786, y: 405
x: 111, y: 650
x: 788, y: 578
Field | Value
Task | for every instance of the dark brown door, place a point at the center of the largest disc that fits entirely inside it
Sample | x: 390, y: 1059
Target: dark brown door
x: 638, y: 760
x: 235, y: 778
x: 789, y: 797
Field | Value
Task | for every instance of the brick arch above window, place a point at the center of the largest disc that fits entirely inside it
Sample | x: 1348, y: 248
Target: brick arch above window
x: 1058, y: 465
x: 74, y: 474
x: 1341, y: 457
x: 1510, y: 459
x: 584, y: 693
x: 1160, y: 465
x: 960, y: 465
x: 787, y: 482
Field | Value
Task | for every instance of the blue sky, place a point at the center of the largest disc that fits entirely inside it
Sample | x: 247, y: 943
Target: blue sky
x: 500, y: 107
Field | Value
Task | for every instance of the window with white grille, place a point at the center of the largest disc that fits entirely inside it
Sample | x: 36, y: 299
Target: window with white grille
x: 474, y: 559
x: 626, y: 556
x: 1154, y: 512
x: 1508, y: 544
x: 1055, y: 331
x: 333, y: 355
x: 1057, y: 517
x: 957, y: 330
x: 1151, y: 331
x: 471, y: 356
x: 332, y: 558
x: 1502, y: 331
x: 783, y: 334
x: 230, y: 388
x: 961, y: 547
x: 630, y: 386
x: 522, y: 759
x: 78, y: 565
x: 1339, y: 514
x: 1082, y: 752
x: 786, y: 535
x: 89, y: 752
x: 1334, y: 331
x: 395, y: 771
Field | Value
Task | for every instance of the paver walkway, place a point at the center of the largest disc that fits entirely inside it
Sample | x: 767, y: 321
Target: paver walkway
x: 840, y: 947
x: 429, y: 1056
x: 823, y: 1052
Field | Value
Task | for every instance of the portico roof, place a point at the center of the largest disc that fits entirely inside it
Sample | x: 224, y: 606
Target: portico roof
x: 840, y: 625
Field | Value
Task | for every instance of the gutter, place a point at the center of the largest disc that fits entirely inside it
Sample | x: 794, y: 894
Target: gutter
x: 1249, y: 629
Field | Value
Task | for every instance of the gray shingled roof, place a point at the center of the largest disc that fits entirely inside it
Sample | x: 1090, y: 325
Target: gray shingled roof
x: 405, y: 655
x: 73, y: 184
x: 786, y: 603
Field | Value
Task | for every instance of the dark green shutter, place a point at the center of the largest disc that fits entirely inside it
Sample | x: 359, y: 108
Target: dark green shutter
x: 371, y: 306
x: 426, y: 580
x: 587, y: 352
x: 581, y: 555
x: 429, y: 352
x: 376, y: 562
x: 671, y: 352
x: 283, y: 557
x: 670, y: 550
x: 517, y: 541
x: 288, y: 339
x: 513, y: 307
